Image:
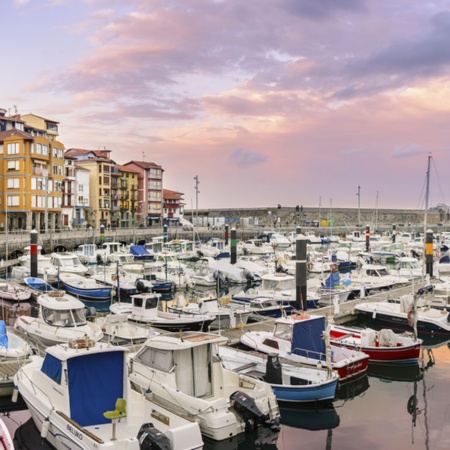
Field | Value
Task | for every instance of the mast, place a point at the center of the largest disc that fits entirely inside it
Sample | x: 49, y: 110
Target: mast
x: 427, y: 194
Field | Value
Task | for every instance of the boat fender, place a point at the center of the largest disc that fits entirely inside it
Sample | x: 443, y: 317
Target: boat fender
x: 309, y: 266
x: 300, y: 316
x: 15, y: 395
x: 412, y: 404
x: 448, y: 318
x: 44, y: 428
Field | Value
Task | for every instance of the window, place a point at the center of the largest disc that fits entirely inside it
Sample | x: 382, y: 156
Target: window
x: 13, y: 149
x: 13, y: 183
x: 13, y: 200
x: 13, y: 165
x: 1, y: 149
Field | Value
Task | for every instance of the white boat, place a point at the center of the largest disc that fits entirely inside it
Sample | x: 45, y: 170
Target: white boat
x: 67, y: 262
x: 44, y: 265
x: 401, y: 316
x: 226, y: 316
x: 61, y: 317
x: 254, y: 247
x: 144, y: 309
x: 408, y: 267
x: 86, y: 288
x: 118, y: 330
x: 290, y: 383
x: 233, y: 274
x: 79, y: 397
x: 184, y: 372
x: 89, y: 254
x: 14, y: 292
x: 12, y: 346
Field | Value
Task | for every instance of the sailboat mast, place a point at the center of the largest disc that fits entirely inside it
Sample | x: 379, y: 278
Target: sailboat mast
x: 427, y: 194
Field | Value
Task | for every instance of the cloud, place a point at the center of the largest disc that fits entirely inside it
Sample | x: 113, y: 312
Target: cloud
x: 407, y: 150
x: 244, y: 158
x: 322, y: 9
x: 20, y: 2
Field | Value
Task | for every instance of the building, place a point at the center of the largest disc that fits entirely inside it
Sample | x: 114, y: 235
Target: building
x: 31, y: 173
x: 128, y: 196
x: 173, y: 206
x: 150, y: 191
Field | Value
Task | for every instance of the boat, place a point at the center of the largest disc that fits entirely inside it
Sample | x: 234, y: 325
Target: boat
x: 6, y: 441
x: 299, y: 339
x: 67, y: 262
x: 61, y: 317
x: 265, y: 306
x: 226, y: 316
x: 144, y: 310
x: 382, y: 346
x: 183, y: 371
x: 290, y: 383
x: 14, y: 292
x: 38, y: 286
x: 44, y: 265
x: 12, y: 346
x: 86, y: 288
x: 117, y: 330
x: 79, y: 397
x: 401, y: 315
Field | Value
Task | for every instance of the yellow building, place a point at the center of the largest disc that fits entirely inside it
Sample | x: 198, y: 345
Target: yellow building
x: 31, y: 172
x: 128, y: 196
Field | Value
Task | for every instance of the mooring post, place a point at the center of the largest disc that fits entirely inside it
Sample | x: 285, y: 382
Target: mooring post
x: 300, y: 273
x: 226, y: 234
x: 34, y: 253
x: 429, y: 253
x: 165, y: 232
x: 233, y: 245
x: 367, y: 238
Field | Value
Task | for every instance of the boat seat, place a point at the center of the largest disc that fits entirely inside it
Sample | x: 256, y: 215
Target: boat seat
x: 116, y: 415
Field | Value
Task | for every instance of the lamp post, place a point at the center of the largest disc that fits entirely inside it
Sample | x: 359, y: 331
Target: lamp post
x: 45, y: 175
x: 359, y: 198
x: 6, y: 228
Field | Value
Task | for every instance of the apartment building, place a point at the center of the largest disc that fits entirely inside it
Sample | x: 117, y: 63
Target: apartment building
x: 128, y: 196
x: 173, y: 205
x: 31, y: 173
x: 150, y: 191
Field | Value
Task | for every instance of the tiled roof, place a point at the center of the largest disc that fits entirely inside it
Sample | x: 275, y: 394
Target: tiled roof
x: 40, y: 117
x: 144, y: 164
x: 172, y: 195
x: 15, y: 132
x: 126, y: 169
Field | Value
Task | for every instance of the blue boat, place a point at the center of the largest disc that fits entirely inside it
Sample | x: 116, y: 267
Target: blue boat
x: 140, y: 253
x: 85, y: 288
x: 290, y: 383
x: 38, y: 286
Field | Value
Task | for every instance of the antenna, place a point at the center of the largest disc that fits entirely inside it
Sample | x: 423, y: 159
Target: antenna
x: 15, y: 109
x: 143, y: 156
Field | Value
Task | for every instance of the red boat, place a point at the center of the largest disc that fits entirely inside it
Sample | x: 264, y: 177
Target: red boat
x: 382, y: 346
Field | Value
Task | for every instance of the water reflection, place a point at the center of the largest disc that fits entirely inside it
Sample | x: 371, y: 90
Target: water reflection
x: 395, y: 372
x: 313, y: 418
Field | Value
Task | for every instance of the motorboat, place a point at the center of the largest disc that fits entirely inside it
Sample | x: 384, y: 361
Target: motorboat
x: 119, y: 331
x: 403, y: 315
x: 86, y: 288
x: 67, y: 262
x: 383, y: 346
x: 266, y: 306
x: 144, y: 309
x: 299, y: 339
x: 79, y: 397
x: 226, y: 316
x: 184, y: 372
x: 290, y: 383
x: 61, y: 317
x: 254, y: 247
x: 12, y: 346
x: 45, y: 267
x: 89, y: 254
x: 408, y: 267
x: 14, y: 292
x: 38, y: 286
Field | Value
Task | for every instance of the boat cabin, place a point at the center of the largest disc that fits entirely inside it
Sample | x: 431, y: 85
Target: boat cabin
x: 278, y: 282
x: 144, y: 307
x: 61, y: 310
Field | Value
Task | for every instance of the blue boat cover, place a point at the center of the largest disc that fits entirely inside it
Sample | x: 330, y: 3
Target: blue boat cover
x: 95, y: 383
x: 52, y: 367
x: 332, y: 281
x: 445, y: 259
x: 307, y: 338
x: 3, y: 335
x: 139, y: 250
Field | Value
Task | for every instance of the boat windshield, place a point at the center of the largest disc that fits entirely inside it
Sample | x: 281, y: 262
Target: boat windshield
x: 280, y: 285
x: 64, y: 317
x: 283, y: 331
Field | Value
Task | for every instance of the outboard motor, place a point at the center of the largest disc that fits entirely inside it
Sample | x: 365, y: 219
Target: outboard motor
x: 280, y: 269
x: 90, y: 312
x: 141, y: 287
x: 200, y: 254
x: 246, y: 407
x: 218, y: 275
x: 99, y: 260
x: 273, y: 370
x: 249, y: 276
x: 151, y: 438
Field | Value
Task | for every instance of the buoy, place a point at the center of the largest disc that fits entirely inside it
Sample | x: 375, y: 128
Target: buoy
x: 15, y: 394
x: 45, y: 427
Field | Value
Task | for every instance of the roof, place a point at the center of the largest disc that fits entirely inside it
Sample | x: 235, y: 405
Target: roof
x: 126, y: 169
x: 39, y: 117
x: 15, y: 132
x: 180, y: 341
x: 144, y: 164
x: 172, y: 195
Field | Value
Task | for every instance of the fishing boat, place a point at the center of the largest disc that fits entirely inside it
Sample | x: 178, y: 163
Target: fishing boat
x: 79, y: 397
x: 14, y: 292
x: 403, y: 315
x: 67, y: 262
x: 61, y: 317
x: 382, y: 346
x: 144, y: 309
x: 86, y: 288
x: 265, y: 306
x: 183, y: 371
x: 299, y: 339
x: 290, y: 383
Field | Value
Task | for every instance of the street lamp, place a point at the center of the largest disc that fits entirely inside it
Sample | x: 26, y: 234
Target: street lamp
x: 45, y: 175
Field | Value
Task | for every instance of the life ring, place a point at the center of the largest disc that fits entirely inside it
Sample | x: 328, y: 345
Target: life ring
x: 114, y: 277
x: 333, y: 267
x: 300, y: 316
x: 309, y: 266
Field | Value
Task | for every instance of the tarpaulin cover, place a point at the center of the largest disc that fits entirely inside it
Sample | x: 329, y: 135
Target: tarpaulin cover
x: 307, y: 338
x: 95, y: 383
x: 3, y: 335
x: 139, y: 250
x: 52, y: 368
x: 332, y: 281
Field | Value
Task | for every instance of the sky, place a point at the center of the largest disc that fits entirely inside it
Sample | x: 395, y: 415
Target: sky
x: 290, y: 102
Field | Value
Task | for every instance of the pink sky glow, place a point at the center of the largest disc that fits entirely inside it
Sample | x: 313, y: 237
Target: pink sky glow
x: 290, y: 102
